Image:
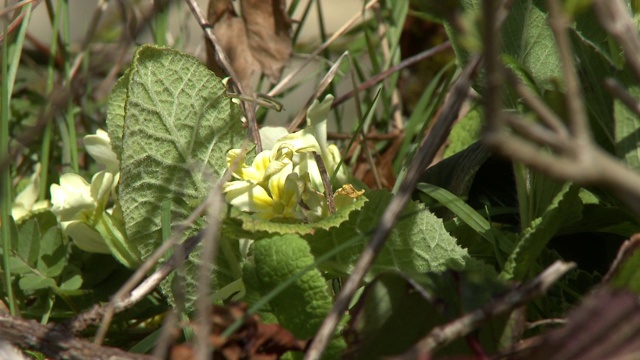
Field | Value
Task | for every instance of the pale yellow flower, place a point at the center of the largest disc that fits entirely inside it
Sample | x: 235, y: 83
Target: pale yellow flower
x: 77, y: 203
x: 26, y: 202
x: 284, y: 181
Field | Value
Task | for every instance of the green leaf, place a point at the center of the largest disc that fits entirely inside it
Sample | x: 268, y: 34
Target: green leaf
x: 627, y: 273
x: 301, y: 307
x: 498, y: 241
x: 457, y: 173
x: 590, y: 45
x: 417, y: 244
x: 71, y: 279
x: 390, y: 316
x: 526, y: 37
x: 627, y: 126
x: 116, y: 112
x: 32, y: 282
x: 28, y: 242
x: 53, y: 253
x: 564, y: 208
x: 178, y: 125
x: 254, y: 224
x: 465, y: 132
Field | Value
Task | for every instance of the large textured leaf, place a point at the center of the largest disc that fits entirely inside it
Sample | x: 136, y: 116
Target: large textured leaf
x: 116, y: 112
x: 417, y: 244
x: 178, y: 125
x: 302, y: 306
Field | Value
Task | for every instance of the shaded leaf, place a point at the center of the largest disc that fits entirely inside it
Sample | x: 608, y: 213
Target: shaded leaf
x: 625, y: 271
x: 417, y: 244
x: 389, y: 317
x: 28, y: 242
x: 53, y: 255
x: 564, y: 208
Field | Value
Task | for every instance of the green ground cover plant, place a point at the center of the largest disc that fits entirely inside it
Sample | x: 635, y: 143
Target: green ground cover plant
x: 453, y: 180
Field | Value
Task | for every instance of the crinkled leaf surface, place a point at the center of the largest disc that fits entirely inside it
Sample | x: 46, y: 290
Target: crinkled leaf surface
x: 116, y: 112
x: 178, y: 125
x: 302, y: 306
x: 253, y: 224
x: 417, y: 244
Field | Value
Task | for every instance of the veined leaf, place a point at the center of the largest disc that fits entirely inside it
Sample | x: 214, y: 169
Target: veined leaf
x: 565, y: 208
x: 500, y: 242
x: 301, y: 307
x: 177, y: 125
x: 417, y: 244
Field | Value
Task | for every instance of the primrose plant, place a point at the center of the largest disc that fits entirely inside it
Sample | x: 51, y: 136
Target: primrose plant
x: 294, y: 214
x: 285, y: 182
x: 81, y: 208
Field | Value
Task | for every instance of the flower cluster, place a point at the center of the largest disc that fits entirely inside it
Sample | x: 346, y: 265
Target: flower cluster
x: 81, y: 207
x: 285, y: 181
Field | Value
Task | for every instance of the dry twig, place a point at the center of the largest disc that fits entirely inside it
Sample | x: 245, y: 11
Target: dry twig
x: 55, y: 343
x: 462, y: 326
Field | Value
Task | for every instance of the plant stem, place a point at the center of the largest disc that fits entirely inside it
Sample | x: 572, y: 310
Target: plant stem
x: 5, y: 191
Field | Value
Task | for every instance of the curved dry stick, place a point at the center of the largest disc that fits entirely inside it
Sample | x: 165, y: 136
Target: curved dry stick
x: 462, y: 326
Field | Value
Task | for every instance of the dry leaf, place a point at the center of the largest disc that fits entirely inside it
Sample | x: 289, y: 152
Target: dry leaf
x: 258, y: 41
x: 253, y: 340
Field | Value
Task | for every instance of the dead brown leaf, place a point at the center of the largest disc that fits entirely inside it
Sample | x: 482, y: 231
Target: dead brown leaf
x: 254, y: 340
x: 257, y: 41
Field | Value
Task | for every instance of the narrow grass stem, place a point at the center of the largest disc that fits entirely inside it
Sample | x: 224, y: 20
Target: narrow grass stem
x: 6, y: 174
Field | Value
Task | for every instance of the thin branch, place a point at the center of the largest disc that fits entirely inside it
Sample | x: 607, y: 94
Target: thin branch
x: 392, y: 70
x: 462, y: 326
x: 325, y: 182
x: 207, y: 261
x: 578, y: 120
x: 615, y: 18
x: 390, y: 216
x: 322, y: 86
x: 55, y: 343
x: 548, y: 117
x: 621, y: 93
x: 280, y: 86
